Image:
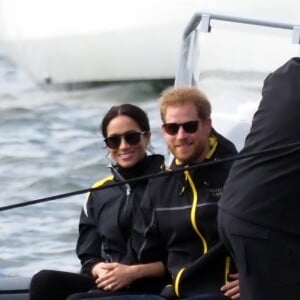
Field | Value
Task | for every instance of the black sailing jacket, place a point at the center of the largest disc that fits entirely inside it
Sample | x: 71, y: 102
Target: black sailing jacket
x: 178, y: 224
x: 265, y: 189
x: 106, y: 219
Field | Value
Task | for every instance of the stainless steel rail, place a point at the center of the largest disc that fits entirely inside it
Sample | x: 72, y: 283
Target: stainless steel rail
x: 202, y: 22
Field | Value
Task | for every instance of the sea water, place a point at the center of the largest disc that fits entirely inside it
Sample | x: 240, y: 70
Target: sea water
x: 50, y: 144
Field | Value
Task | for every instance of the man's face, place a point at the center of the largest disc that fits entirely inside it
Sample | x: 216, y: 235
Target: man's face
x: 187, y: 147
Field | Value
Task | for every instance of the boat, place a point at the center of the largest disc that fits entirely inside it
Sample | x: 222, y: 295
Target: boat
x: 196, y: 70
x: 103, y: 41
x: 113, y: 41
x: 14, y: 288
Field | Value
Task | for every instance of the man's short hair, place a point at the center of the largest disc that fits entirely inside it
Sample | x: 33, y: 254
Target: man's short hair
x: 181, y: 95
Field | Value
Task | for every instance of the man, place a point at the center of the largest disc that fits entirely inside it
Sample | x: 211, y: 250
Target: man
x: 259, y: 210
x: 178, y: 219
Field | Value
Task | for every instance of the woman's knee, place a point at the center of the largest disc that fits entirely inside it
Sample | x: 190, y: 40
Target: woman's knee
x: 43, y: 279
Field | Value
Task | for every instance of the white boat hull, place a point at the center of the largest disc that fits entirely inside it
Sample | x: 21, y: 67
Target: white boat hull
x: 63, y: 41
x: 99, y: 56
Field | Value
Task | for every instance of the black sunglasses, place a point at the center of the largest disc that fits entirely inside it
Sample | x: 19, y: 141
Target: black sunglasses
x: 132, y: 138
x: 188, y: 127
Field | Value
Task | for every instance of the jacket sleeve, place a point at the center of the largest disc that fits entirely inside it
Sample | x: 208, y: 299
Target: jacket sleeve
x: 88, y: 244
x: 147, y: 244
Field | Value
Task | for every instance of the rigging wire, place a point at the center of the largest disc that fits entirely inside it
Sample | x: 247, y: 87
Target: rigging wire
x: 163, y: 173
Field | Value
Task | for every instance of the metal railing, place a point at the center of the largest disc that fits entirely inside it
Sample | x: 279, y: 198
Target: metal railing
x: 201, y: 22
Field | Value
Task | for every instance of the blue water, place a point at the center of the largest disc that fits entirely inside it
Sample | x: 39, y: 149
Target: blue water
x: 50, y: 144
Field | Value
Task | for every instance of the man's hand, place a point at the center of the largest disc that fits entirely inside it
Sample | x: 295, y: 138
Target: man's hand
x: 232, y: 289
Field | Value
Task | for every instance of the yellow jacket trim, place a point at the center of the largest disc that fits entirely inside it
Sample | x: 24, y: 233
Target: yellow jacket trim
x: 227, y: 269
x: 95, y: 185
x: 177, y: 280
x: 102, y: 181
x: 213, y: 142
x: 193, y: 210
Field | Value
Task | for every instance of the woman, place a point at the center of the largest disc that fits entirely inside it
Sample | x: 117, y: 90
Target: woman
x: 106, y: 219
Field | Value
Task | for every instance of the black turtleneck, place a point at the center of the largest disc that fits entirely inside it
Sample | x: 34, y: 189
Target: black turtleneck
x: 148, y: 165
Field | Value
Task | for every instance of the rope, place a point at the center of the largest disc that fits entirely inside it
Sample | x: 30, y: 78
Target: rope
x: 164, y: 173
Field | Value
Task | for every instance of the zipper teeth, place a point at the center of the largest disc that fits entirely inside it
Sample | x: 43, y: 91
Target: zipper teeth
x: 127, y: 185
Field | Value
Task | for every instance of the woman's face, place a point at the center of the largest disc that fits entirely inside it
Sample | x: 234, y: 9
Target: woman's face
x: 127, y: 155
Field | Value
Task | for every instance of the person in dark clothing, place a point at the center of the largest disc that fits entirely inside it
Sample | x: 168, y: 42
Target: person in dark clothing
x: 107, y: 218
x: 259, y: 209
x: 178, y: 214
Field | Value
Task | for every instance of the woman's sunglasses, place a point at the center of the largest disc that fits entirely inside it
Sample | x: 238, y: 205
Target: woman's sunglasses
x: 132, y: 138
x: 188, y: 127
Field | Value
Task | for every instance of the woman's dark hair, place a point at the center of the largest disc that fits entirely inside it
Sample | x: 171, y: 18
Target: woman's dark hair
x: 129, y: 110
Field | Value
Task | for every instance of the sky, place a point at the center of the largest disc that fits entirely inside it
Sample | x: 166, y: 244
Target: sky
x: 39, y: 18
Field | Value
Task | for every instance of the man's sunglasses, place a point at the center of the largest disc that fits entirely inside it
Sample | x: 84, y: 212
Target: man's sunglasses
x: 132, y: 138
x: 188, y: 127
